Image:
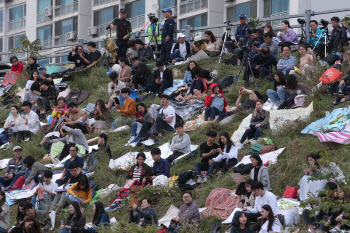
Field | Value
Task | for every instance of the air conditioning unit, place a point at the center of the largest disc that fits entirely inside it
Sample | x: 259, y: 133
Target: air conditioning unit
x: 71, y: 36
x: 174, y: 12
x: 48, y: 12
x: 93, y: 31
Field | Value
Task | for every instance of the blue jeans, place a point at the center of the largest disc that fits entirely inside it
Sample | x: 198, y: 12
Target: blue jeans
x: 177, y: 56
x: 251, y: 133
x: 70, y: 199
x: 203, y: 167
x: 211, y: 112
x: 43, y: 204
x: 174, y: 227
x: 278, y: 96
x: 64, y: 230
x: 114, y: 123
x: 345, y: 89
x: 133, y: 128
x: 197, y: 83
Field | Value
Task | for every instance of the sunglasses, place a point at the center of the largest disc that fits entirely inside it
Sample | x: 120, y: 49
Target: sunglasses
x: 14, y: 61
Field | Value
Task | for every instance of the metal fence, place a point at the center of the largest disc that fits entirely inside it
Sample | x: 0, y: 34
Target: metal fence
x: 188, y: 31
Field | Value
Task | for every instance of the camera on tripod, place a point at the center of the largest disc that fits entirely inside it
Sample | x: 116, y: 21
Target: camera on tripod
x: 324, y: 23
x: 153, y: 19
x: 301, y: 21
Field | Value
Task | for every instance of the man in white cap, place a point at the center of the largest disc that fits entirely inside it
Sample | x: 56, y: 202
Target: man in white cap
x: 14, y: 169
x: 181, y: 50
x: 198, y: 45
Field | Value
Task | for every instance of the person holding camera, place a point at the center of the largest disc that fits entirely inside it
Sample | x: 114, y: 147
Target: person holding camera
x: 123, y: 30
x: 181, y: 50
x: 167, y: 35
x: 338, y: 35
x: 154, y: 27
x: 45, y: 193
x: 241, y: 31
x: 256, y: 42
x: 269, y: 43
x: 316, y: 37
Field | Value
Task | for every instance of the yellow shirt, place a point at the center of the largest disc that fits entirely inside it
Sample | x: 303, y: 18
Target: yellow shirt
x: 86, y: 196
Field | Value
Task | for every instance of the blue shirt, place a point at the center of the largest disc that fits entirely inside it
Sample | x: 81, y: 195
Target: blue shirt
x: 103, y: 222
x: 312, y: 41
x: 286, y: 64
x: 162, y: 167
x: 79, y: 161
x: 168, y: 29
x: 241, y: 32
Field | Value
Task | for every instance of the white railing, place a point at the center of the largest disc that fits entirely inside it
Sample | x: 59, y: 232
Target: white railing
x: 194, y: 5
x: 60, y: 39
x: 66, y: 9
x: 101, y: 2
x: 45, y: 43
x: 17, y: 24
x: 161, y: 14
x: 103, y: 31
x: 40, y: 18
x: 137, y: 21
x: 278, y: 22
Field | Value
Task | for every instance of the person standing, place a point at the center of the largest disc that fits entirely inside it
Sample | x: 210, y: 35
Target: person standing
x: 167, y: 35
x: 123, y: 29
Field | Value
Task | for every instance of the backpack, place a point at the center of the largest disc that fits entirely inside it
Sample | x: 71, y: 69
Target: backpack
x: 225, y: 81
x: 77, y: 96
x: 178, y: 119
x: 243, y: 168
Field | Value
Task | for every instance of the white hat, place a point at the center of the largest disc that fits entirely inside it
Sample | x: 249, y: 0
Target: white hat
x: 17, y: 148
x: 197, y: 38
x: 180, y: 35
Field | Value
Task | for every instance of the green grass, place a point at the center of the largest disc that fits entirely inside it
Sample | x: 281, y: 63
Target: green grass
x: 287, y: 171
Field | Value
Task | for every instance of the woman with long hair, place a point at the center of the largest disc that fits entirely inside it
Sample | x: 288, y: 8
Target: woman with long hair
x: 270, y: 223
x: 102, y: 116
x: 142, y: 116
x: 289, y: 34
x: 125, y: 73
x: 268, y: 28
x: 277, y: 95
x: 212, y: 46
x: 4, y: 212
x: 307, y: 60
x: 11, y: 125
x: 241, y: 224
x: 80, y: 192
x: 79, y: 58
x: 20, y: 212
x: 228, y: 153
x: 75, y: 221
x: 259, y: 172
x: 28, y: 225
x: 34, y: 77
x: 260, y: 120
x: 141, y: 171
x: 100, y: 218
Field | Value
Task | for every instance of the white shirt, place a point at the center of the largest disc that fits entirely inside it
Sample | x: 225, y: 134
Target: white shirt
x: 268, y: 199
x: 183, y: 50
x: 169, y: 112
x: 50, y: 187
x: 161, y: 73
x: 227, y: 156
x: 29, y: 84
x: 33, y: 122
x: 276, y: 227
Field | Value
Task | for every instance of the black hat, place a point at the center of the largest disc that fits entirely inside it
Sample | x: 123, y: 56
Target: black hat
x: 122, y: 10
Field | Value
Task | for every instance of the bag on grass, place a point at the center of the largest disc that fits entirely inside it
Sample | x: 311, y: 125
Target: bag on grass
x: 226, y: 81
x: 256, y: 148
x: 331, y: 58
x: 290, y: 192
x: 243, y: 168
x: 330, y: 76
x: 267, y: 148
x: 18, y: 184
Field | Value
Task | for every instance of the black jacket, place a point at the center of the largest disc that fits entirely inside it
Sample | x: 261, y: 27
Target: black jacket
x: 143, y: 72
x: 75, y: 223
x: 188, y: 47
x: 168, y: 29
x: 145, y: 53
x: 339, y: 33
x: 167, y: 75
x: 146, y: 172
x: 78, y: 61
x: 50, y: 93
x: 147, y: 214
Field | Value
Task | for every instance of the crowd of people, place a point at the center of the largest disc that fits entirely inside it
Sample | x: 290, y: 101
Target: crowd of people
x: 218, y: 154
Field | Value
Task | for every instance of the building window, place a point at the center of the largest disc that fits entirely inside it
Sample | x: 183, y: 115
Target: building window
x: 166, y: 4
x: 13, y: 41
x: 18, y: 12
x: 65, y: 26
x: 105, y: 16
x: 135, y: 9
x: 1, y: 45
x: 197, y: 21
x: 43, y: 4
x: 250, y: 9
x: 63, y: 2
x: 44, y: 62
x: 44, y: 33
x: 275, y: 7
x: 1, y: 20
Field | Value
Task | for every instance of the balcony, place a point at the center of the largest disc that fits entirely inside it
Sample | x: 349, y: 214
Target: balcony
x: 101, y: 2
x: 46, y: 43
x: 161, y: 14
x: 137, y: 21
x: 276, y: 23
x: 40, y: 18
x: 103, y: 31
x: 193, y: 5
x: 17, y: 24
x: 66, y: 9
x: 62, y: 39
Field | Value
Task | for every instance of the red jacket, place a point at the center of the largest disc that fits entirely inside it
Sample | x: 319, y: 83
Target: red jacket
x: 19, y: 68
x: 209, y: 99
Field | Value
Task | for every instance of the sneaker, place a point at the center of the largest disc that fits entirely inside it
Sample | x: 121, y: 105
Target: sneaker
x: 239, y: 146
x: 199, y: 180
x: 347, y: 99
x: 253, y: 142
x: 204, y: 179
x: 275, y: 106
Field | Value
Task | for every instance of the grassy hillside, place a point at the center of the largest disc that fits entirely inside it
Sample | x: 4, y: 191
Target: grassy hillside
x: 287, y: 171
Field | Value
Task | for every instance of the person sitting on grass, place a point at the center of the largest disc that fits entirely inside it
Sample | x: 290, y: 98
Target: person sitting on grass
x: 34, y: 169
x: 212, y: 46
x: 114, y: 89
x: 260, y: 120
x: 215, y: 103
x: 77, y: 116
x: 167, y: 117
x: 34, y: 77
x: 48, y: 189
x: 102, y: 144
x: 141, y: 74
x: 33, y: 95
x: 180, y: 144
x: 163, y: 79
x: 161, y: 167
x: 188, y: 212
x: 100, y: 218
x: 80, y: 192
x: 17, y: 66
x: 48, y: 94
x: 128, y: 110
x: 198, y: 95
x: 4, y: 212
x: 32, y: 122
x: 307, y: 60
x: 270, y: 222
x: 343, y: 90
x: 94, y: 55
x: 142, y: 116
x: 181, y: 49
x: 95, y: 156
x: 208, y: 151
x: 131, y: 52
x: 259, y: 172
x: 227, y: 158
x: 277, y: 95
x: 102, y: 116
x: 246, y: 197
x: 41, y: 216
x: 141, y: 171
x: 66, y: 175
x: 125, y: 73
x: 241, y: 224
x: 144, y: 52
x: 60, y: 110
x: 75, y: 221
x: 28, y: 225
x: 145, y: 215
x: 287, y: 62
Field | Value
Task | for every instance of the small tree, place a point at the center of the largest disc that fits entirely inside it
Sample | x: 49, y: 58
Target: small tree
x: 254, y: 22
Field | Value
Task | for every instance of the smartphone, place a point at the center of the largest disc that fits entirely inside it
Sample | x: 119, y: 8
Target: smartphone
x: 40, y: 73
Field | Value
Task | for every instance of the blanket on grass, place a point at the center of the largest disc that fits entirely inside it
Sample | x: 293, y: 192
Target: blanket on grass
x: 268, y: 158
x: 171, y: 213
x: 176, y: 84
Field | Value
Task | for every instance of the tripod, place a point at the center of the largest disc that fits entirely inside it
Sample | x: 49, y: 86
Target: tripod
x: 325, y: 33
x: 155, y: 37
x: 303, y: 35
x: 227, y: 33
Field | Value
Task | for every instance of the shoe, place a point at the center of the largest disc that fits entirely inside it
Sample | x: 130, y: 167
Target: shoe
x: 347, y: 99
x: 239, y: 146
x: 339, y: 94
x: 275, y: 106
x: 253, y: 142
x: 204, y: 179
x: 246, y: 83
x: 199, y: 180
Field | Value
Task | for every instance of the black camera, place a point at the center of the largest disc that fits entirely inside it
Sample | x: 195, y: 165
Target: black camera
x: 324, y: 23
x: 248, y: 30
x: 301, y: 21
x: 256, y: 43
x: 154, y: 19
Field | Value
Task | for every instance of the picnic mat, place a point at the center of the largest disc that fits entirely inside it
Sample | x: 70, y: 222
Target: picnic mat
x: 268, y: 158
x: 171, y: 213
x: 277, y: 119
x: 3, y: 163
x: 129, y: 159
x: 337, y: 120
x: 176, y: 84
x: 220, y: 202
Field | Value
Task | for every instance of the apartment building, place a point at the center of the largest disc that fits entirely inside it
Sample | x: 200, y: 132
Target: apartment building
x: 56, y: 22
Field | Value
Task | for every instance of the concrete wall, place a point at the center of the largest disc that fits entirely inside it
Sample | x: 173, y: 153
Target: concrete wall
x: 84, y: 19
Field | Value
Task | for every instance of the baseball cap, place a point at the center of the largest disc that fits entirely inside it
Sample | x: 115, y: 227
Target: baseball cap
x: 167, y: 10
x: 243, y: 16
x: 17, y: 148
x: 180, y: 35
x: 151, y: 15
x: 42, y: 68
x: 122, y: 10
x: 197, y: 39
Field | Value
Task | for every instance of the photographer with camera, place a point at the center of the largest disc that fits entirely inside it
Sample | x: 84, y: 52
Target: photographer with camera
x: 269, y: 43
x: 338, y: 36
x: 241, y: 31
x: 167, y: 35
x: 257, y: 41
x: 123, y: 29
x: 181, y: 50
x: 316, y: 37
x: 154, y: 27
